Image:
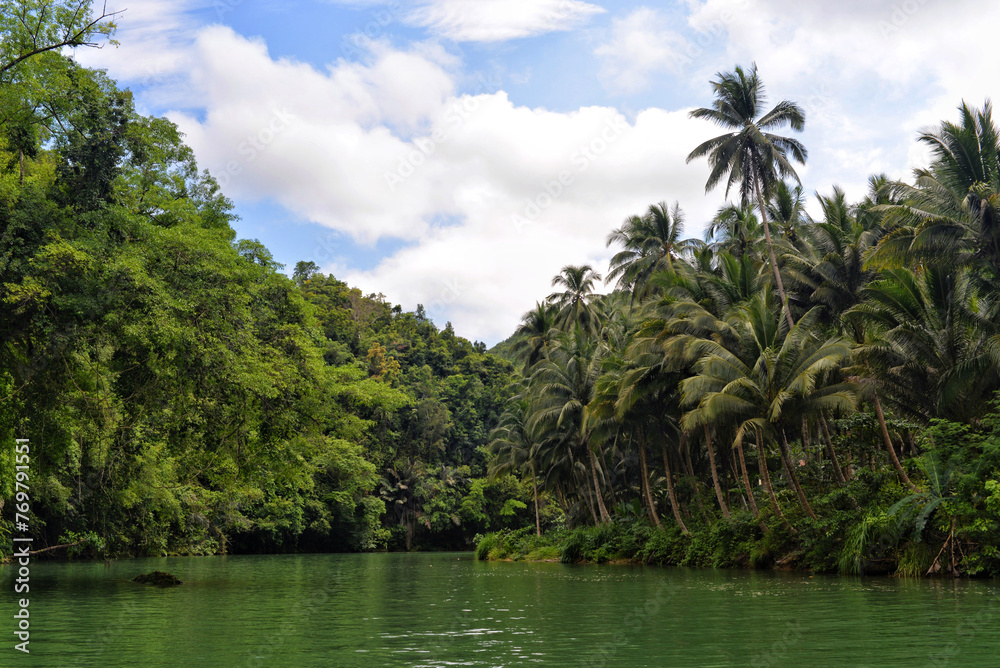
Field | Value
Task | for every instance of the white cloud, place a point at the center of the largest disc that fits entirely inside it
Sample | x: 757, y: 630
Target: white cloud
x: 498, y: 20
x: 495, y: 198
x: 489, y: 20
x: 154, y: 45
x: 641, y: 44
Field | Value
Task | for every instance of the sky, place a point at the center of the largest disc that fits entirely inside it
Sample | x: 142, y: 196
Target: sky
x: 459, y: 153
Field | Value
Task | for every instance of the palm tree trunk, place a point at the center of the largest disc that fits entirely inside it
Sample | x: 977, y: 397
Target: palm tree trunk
x: 562, y: 499
x: 538, y: 520
x: 770, y: 250
x: 686, y: 447
x: 715, y: 474
x: 590, y: 502
x: 645, y: 486
x: 888, y: 445
x: 838, y: 472
x: 746, y: 479
x: 765, y: 478
x: 795, y: 478
x: 806, y: 440
x: 670, y: 490
x: 605, y: 517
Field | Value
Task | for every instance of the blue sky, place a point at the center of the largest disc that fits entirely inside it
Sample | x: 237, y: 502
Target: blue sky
x: 458, y: 153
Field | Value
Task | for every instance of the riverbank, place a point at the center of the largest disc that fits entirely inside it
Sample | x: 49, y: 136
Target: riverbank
x: 850, y: 547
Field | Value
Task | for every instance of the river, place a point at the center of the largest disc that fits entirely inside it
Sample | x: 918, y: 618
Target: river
x: 372, y: 610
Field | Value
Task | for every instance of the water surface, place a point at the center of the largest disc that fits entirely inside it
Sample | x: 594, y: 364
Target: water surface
x: 449, y: 610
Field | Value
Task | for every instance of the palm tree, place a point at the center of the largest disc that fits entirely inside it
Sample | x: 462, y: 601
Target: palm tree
x: 932, y: 342
x: 735, y: 229
x: 515, y: 447
x: 750, y: 155
x: 772, y: 378
x: 649, y: 242
x: 952, y: 213
x: 535, y: 335
x: 561, y: 387
x: 576, y: 302
x: 786, y: 208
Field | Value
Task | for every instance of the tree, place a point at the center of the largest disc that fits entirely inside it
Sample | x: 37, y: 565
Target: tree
x: 649, y: 242
x: 750, y: 155
x: 576, y: 302
x: 304, y: 271
x: 770, y: 380
x: 29, y: 28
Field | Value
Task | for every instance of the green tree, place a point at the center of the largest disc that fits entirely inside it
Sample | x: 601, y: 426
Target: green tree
x: 750, y: 155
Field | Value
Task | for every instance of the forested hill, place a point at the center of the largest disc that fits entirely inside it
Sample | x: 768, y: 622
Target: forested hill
x: 181, y: 394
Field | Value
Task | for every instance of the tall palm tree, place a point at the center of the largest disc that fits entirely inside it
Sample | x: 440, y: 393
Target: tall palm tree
x: 770, y: 380
x: 750, y: 155
x: 562, y: 386
x: 515, y: 447
x: 576, y: 301
x: 535, y: 334
x: 649, y: 242
x: 735, y: 229
x: 952, y: 213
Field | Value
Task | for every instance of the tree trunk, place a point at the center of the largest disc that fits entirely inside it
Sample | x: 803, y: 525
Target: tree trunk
x: 590, y: 502
x: 538, y: 520
x: 765, y: 478
x: 838, y: 472
x: 21, y: 159
x: 746, y: 480
x: 670, y: 490
x: 770, y: 250
x: 645, y: 486
x: 562, y: 499
x: 795, y: 478
x: 807, y: 441
x: 888, y: 445
x: 605, y: 517
x: 715, y: 474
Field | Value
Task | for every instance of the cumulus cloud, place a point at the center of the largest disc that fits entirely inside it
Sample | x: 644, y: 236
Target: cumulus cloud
x: 493, y: 197
x: 640, y: 45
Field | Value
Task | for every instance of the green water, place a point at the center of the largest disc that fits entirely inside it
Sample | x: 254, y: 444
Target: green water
x: 449, y: 610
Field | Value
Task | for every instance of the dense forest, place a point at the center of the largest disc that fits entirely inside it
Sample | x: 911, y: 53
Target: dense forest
x: 811, y: 392
x: 181, y: 394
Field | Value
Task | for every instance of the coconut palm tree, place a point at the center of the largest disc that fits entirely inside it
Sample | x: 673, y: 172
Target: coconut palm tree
x: 535, y: 334
x: 649, y: 242
x: 771, y: 379
x: 735, y: 229
x: 562, y: 385
x: 576, y: 301
x: 750, y: 155
x: 952, y: 213
x: 515, y: 447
